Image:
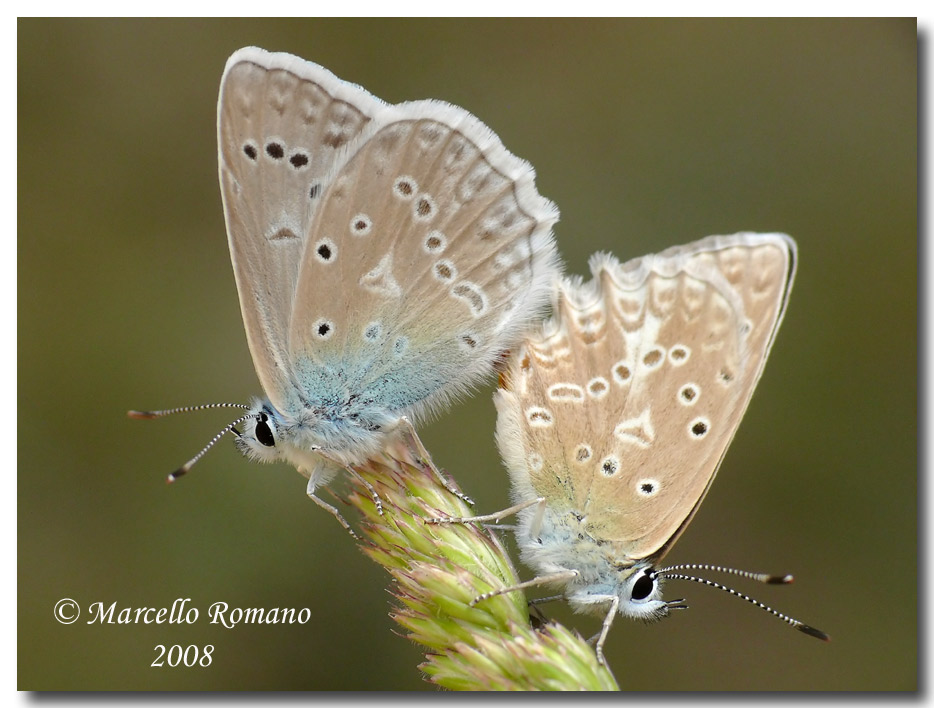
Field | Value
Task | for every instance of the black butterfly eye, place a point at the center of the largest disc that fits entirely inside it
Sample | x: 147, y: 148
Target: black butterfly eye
x: 643, y: 587
x: 263, y: 432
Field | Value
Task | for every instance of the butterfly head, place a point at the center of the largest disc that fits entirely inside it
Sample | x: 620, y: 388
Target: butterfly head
x: 640, y: 594
x: 261, y: 436
x: 635, y: 589
x: 338, y: 431
x: 267, y: 435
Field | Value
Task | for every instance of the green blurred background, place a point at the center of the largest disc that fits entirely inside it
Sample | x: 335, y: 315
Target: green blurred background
x: 646, y: 134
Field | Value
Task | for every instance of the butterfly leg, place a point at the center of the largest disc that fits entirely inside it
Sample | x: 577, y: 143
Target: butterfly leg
x: 495, y: 517
x: 562, y: 576
x: 425, y: 459
x: 543, y: 600
x: 536, y: 616
x: 310, y: 491
x: 373, y: 493
x: 607, y: 623
x: 329, y: 467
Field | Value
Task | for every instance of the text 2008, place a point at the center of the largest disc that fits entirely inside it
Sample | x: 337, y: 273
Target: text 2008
x: 177, y: 655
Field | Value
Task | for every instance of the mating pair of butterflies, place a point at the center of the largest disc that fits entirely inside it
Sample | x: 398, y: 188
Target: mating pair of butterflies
x: 387, y: 255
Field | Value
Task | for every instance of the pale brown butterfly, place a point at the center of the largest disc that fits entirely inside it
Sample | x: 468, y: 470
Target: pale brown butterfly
x: 385, y: 256
x: 614, y: 416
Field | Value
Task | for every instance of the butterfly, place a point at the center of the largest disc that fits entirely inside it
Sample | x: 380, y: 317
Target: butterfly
x: 615, y: 414
x: 385, y: 256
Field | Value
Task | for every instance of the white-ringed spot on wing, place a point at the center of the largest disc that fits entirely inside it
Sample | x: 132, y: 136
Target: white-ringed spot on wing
x: 653, y: 358
x: 322, y: 329
x: 404, y: 187
x: 445, y: 271
x: 535, y: 462
x: 326, y: 251
x: 250, y: 150
x: 425, y: 208
x: 435, y: 242
x: 472, y: 295
x: 566, y: 392
x: 610, y: 465
x: 299, y: 160
x: 274, y: 149
x: 598, y: 387
x: 361, y: 225
x: 373, y: 332
x: 688, y: 394
x: 679, y: 354
x: 698, y: 428
x: 622, y: 373
x: 583, y: 452
x: 648, y: 487
x: 400, y: 345
x: 539, y: 417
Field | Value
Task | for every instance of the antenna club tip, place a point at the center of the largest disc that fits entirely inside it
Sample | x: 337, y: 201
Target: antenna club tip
x: 139, y: 415
x: 175, y: 475
x: 780, y: 579
x: 813, y: 632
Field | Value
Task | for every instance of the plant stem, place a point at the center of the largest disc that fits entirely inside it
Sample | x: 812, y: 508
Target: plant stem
x: 438, y: 569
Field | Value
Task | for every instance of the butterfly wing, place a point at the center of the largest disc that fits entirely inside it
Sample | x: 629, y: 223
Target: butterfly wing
x: 622, y: 409
x: 282, y: 124
x: 430, y: 251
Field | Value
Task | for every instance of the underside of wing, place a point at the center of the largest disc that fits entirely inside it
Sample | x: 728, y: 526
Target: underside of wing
x: 431, y: 250
x: 627, y: 401
x: 282, y: 124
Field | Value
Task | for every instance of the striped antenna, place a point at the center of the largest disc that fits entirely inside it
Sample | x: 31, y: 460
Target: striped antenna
x: 759, y: 577
x: 188, y: 465
x: 149, y: 415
